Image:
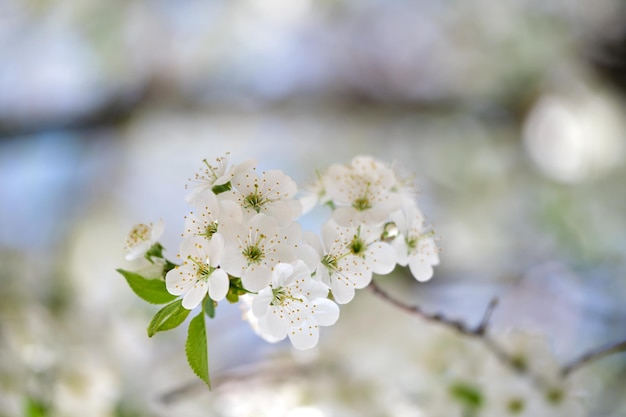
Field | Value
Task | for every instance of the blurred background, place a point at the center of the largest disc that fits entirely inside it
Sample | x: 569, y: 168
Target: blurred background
x: 509, y: 116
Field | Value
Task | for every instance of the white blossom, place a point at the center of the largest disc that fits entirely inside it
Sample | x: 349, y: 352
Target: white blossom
x: 219, y: 173
x: 141, y: 238
x: 415, y: 245
x: 255, y: 247
x: 365, y: 191
x: 294, y: 305
x: 349, y: 256
x: 271, y: 193
x: 209, y: 213
x: 200, y: 272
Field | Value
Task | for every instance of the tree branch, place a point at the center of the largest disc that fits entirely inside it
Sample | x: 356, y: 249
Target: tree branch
x: 593, y: 356
x: 480, y: 332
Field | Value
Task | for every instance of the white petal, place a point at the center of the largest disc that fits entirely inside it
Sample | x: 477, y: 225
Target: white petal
x: 343, y: 292
x: 281, y: 275
x: 307, y: 254
x: 313, y: 240
x: 215, y: 250
x: 230, y: 211
x: 346, y: 216
x: 325, y: 312
x: 421, y: 270
x: 276, y: 322
x: 233, y: 261
x: 157, y: 230
x: 261, y: 302
x: 305, y: 336
x: 256, y: 277
x: 218, y: 284
x: 381, y: 257
x: 195, y: 295
x: 180, y: 279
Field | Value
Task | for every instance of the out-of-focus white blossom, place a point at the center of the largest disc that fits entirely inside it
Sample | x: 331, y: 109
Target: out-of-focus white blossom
x: 366, y: 191
x: 217, y: 174
x: 414, y: 245
x: 142, y: 237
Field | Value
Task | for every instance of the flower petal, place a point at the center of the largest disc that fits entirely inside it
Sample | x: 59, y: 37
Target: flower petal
x: 304, y: 336
x: 218, y: 284
x: 381, y: 257
x: 325, y: 312
x: 195, y: 295
x: 256, y: 277
x: 179, y: 280
x: 261, y: 302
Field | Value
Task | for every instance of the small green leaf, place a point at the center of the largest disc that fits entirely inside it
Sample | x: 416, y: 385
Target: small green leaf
x: 35, y: 408
x: 467, y: 395
x: 218, y: 189
x: 209, y: 307
x: 167, y: 318
x: 196, y: 348
x: 150, y: 290
x: 155, y: 251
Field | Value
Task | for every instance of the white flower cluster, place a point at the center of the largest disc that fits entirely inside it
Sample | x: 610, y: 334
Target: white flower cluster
x: 242, y: 239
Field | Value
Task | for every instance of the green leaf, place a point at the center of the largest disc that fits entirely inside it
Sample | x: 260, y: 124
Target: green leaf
x: 196, y: 348
x: 155, y: 251
x: 218, y: 189
x: 209, y: 307
x: 35, y: 408
x: 467, y: 395
x: 150, y: 290
x: 167, y: 318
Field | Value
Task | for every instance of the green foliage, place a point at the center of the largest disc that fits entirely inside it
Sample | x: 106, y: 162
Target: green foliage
x: 169, y: 317
x: 218, y: 189
x: 35, y: 408
x: 196, y: 348
x: 150, y: 290
x: 467, y: 395
x: 235, y: 290
x: 209, y: 307
x: 155, y: 251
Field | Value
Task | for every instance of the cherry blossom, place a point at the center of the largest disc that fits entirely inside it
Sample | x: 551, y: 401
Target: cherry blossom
x: 200, y: 272
x: 141, y: 238
x: 271, y: 193
x: 293, y: 305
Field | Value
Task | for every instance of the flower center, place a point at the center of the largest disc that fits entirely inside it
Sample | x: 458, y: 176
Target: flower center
x: 204, y: 269
x: 253, y: 254
x: 362, y: 203
x: 329, y: 262
x: 210, y: 229
x: 357, y: 246
x: 280, y: 297
x: 140, y: 233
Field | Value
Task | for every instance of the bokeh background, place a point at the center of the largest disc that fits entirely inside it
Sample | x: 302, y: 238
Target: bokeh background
x: 509, y: 115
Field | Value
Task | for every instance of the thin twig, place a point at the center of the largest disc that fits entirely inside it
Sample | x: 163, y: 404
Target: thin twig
x: 484, y: 323
x: 456, y: 325
x: 593, y: 355
x: 479, y: 332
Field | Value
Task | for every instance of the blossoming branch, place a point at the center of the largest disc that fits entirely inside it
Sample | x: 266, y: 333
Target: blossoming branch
x: 242, y: 242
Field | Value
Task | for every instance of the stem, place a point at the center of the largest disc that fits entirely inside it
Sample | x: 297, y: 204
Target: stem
x: 593, y: 355
x: 478, y: 332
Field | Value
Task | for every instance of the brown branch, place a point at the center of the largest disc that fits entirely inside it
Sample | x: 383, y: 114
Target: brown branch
x: 593, y: 355
x: 479, y: 332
